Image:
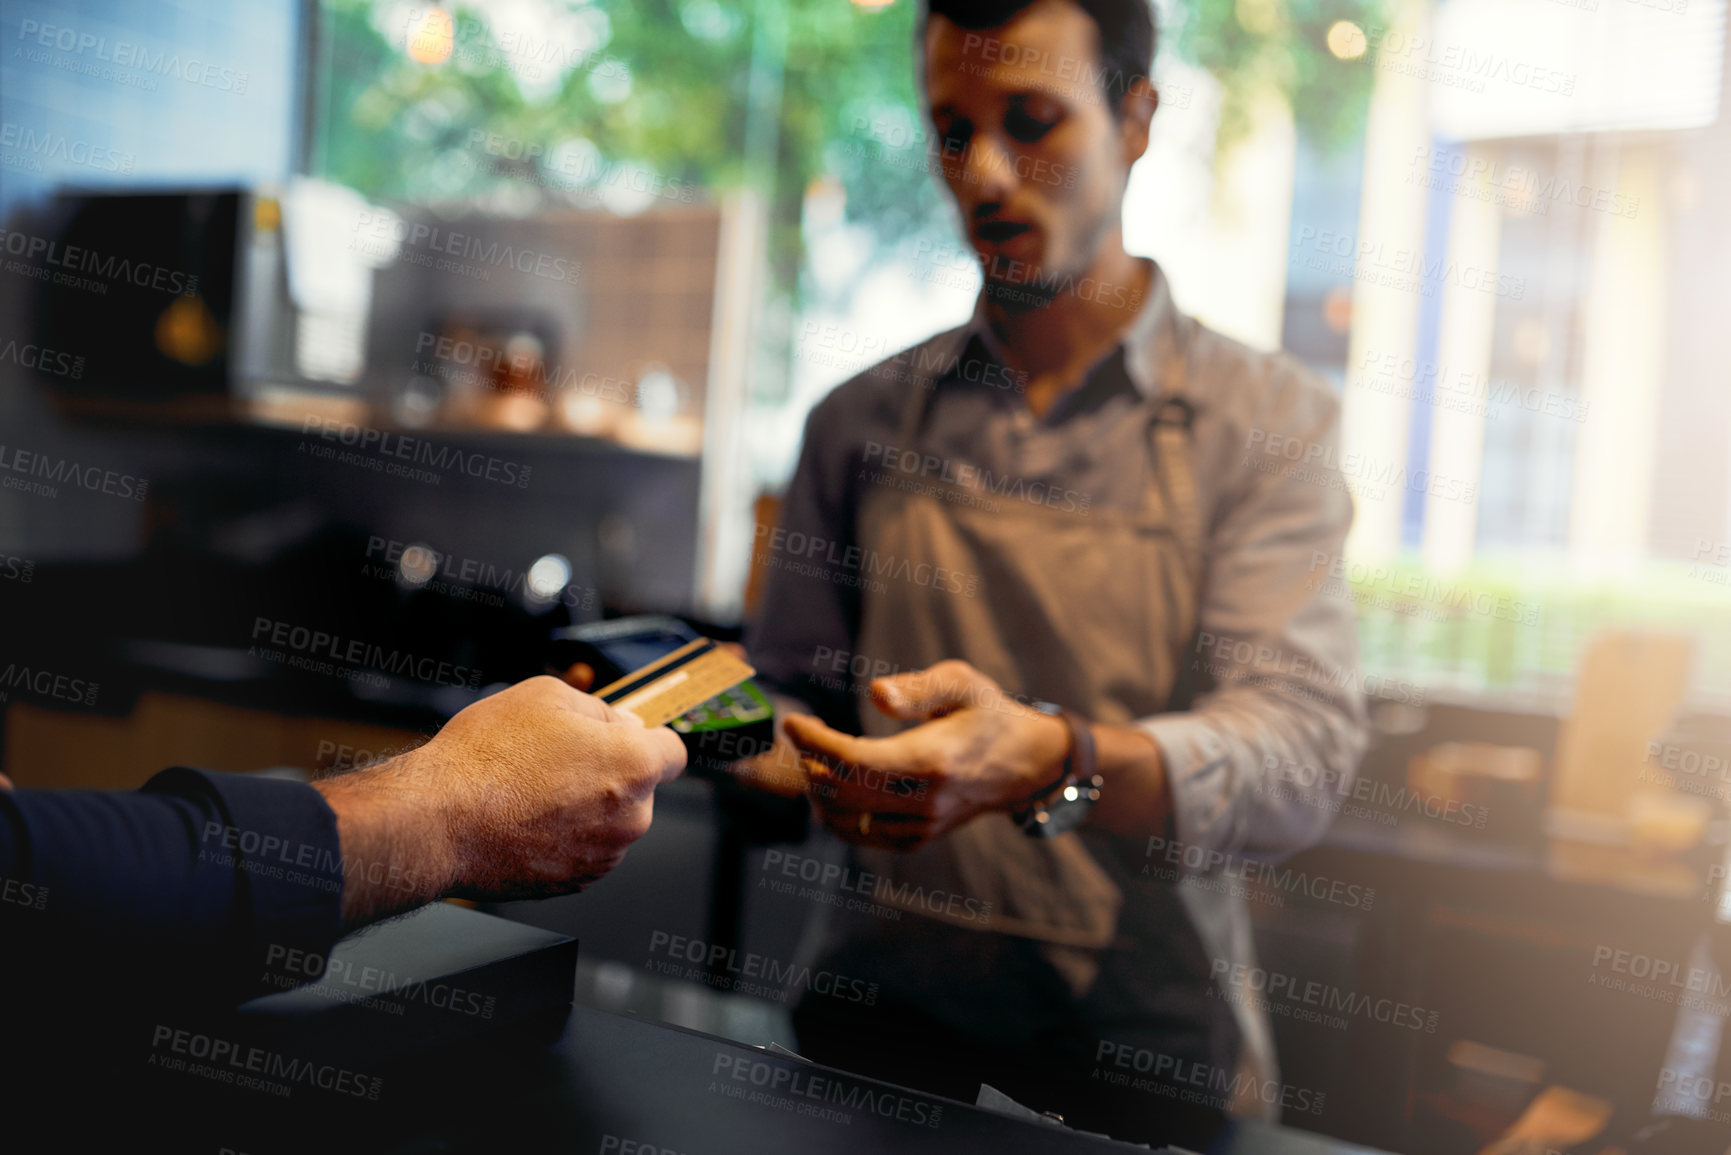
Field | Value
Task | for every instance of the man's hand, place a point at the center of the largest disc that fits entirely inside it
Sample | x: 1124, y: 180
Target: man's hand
x: 977, y: 752
x: 775, y: 771
x: 535, y: 791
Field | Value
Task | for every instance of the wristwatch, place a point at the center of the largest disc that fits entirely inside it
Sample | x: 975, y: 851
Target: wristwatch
x: 1064, y: 804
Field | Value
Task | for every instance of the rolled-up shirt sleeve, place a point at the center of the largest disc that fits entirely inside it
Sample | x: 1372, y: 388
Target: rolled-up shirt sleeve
x: 1276, y: 734
x: 215, y: 870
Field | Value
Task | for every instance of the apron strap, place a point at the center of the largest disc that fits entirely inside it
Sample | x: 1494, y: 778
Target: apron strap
x: 1171, y: 429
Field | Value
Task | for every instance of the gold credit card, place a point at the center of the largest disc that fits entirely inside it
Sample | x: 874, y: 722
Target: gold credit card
x: 681, y: 681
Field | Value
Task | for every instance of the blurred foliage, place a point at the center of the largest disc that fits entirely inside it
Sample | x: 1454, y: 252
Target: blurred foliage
x: 656, y: 83
x: 1250, y: 46
x: 698, y: 92
x: 1518, y: 624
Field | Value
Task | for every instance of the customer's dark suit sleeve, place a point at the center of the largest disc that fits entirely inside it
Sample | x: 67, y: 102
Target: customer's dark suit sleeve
x: 197, y: 874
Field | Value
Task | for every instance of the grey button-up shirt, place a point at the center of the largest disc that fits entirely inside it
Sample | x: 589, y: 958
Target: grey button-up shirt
x: 1279, y: 709
x: 1267, y: 724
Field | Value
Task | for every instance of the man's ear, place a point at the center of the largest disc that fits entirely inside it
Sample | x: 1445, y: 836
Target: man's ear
x: 1135, y: 111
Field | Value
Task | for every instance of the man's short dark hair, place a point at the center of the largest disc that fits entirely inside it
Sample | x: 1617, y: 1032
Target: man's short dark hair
x: 1127, y: 34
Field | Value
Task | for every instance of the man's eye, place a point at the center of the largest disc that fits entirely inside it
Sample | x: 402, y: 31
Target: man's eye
x: 1025, y: 127
x: 954, y: 140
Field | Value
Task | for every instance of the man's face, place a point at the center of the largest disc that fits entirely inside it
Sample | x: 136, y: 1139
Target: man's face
x: 1030, y: 144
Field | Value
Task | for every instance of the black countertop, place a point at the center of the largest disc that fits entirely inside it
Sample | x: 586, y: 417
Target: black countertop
x: 612, y: 1080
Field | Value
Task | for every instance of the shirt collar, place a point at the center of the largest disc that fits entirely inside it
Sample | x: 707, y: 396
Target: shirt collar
x: 1151, y: 344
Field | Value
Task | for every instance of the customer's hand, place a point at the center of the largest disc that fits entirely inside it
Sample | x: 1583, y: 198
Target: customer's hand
x: 535, y: 791
x: 774, y: 771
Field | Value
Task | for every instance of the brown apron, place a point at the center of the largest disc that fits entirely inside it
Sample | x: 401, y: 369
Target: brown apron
x: 1058, y: 597
x: 1057, y: 594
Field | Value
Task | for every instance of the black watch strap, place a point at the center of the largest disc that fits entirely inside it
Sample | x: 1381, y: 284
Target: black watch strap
x: 1084, y: 759
x: 1080, y: 763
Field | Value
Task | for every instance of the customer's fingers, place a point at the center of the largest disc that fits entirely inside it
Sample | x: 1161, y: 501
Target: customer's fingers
x: 665, y: 745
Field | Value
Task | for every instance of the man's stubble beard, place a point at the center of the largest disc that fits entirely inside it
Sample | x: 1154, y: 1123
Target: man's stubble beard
x: 1037, y: 287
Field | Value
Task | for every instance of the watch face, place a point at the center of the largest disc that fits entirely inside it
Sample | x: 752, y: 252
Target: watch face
x: 1066, y: 811
x: 1061, y: 817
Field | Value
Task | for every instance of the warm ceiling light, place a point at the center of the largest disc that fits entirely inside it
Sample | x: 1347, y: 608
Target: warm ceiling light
x: 187, y: 332
x: 431, y: 41
x: 418, y: 565
x: 1346, y: 40
x: 873, y: 3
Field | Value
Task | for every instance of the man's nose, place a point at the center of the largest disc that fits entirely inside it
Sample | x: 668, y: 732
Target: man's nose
x: 987, y: 170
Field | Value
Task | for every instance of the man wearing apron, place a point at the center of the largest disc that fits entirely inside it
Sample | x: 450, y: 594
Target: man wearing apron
x: 1044, y: 570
